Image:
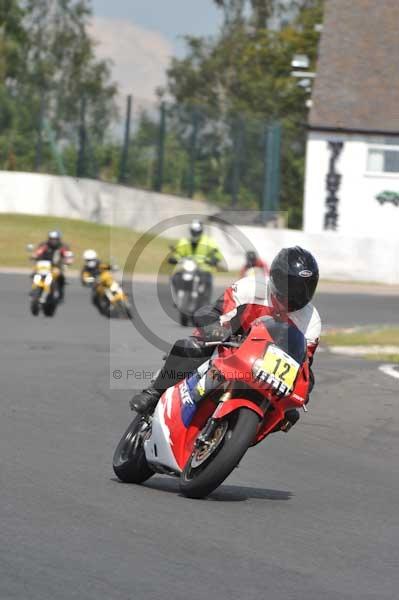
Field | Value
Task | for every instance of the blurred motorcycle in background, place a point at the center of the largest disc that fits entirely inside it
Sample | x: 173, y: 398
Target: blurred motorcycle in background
x: 45, y: 292
x: 48, y: 280
x: 191, y: 287
x: 109, y: 297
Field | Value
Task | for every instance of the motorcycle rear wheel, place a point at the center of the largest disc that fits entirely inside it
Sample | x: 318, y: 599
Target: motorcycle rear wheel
x: 200, y: 478
x: 34, y: 304
x: 129, y: 462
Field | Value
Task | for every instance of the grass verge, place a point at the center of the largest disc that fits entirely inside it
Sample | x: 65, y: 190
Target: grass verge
x: 386, y: 358
x: 117, y: 242
x: 385, y: 336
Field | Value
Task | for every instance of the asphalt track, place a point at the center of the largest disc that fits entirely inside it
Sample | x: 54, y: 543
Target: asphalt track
x: 312, y: 514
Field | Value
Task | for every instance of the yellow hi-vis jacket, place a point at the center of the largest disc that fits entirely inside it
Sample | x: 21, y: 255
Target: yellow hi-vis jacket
x: 204, y: 250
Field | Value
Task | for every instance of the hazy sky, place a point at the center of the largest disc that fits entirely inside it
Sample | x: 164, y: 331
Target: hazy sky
x: 140, y: 36
x: 171, y: 18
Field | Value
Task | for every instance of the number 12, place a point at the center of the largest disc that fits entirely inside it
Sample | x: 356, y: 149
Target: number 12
x: 287, y: 367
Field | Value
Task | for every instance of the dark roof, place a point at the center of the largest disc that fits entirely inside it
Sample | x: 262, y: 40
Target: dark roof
x: 357, y: 83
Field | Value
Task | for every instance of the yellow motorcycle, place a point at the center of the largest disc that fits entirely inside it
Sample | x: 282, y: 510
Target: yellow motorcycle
x: 109, y: 297
x: 45, y: 292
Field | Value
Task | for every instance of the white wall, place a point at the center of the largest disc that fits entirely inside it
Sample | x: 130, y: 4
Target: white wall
x: 90, y: 200
x: 360, y: 214
x: 342, y: 257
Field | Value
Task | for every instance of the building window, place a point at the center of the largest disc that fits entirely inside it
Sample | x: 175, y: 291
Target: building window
x: 383, y: 158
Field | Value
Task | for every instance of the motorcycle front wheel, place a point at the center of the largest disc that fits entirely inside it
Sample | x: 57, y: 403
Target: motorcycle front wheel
x: 183, y: 308
x: 184, y: 320
x: 210, y: 464
x: 49, y: 308
x: 128, y: 311
x: 129, y: 462
x: 34, y: 304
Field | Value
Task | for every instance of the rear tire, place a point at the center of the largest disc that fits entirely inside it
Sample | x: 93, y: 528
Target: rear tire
x: 199, y: 481
x: 129, y: 462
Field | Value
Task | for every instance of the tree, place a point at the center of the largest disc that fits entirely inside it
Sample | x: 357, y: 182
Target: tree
x: 247, y: 71
x: 49, y: 74
x: 62, y: 64
x: 259, y: 11
x: 12, y: 39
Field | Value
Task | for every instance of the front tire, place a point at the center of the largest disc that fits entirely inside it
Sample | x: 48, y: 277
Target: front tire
x: 35, y: 301
x: 128, y: 311
x: 183, y: 307
x: 35, y: 307
x: 49, y: 308
x: 199, y: 479
x: 129, y: 462
x: 184, y: 320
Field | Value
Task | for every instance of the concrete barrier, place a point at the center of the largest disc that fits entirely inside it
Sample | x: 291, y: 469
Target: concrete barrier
x: 105, y: 203
x: 340, y: 257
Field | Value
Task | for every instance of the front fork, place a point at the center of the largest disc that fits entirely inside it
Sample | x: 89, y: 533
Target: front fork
x: 211, y: 425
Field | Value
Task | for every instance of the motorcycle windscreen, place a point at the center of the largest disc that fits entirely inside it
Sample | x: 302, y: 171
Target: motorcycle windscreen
x: 287, y: 337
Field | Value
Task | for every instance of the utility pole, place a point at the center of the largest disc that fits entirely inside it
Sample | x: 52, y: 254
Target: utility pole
x: 125, y: 150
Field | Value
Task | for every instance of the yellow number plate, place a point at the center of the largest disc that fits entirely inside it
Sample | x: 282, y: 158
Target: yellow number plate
x: 43, y: 267
x: 282, y: 366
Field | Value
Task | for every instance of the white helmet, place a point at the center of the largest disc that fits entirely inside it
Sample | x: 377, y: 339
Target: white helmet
x: 90, y: 258
x: 196, y: 230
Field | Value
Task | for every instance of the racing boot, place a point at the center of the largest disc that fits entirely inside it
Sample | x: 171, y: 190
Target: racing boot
x: 145, y: 402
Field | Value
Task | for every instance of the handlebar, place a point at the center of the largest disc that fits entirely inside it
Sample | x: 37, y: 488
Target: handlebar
x: 220, y: 343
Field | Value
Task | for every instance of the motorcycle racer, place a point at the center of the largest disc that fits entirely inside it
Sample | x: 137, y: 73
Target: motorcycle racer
x: 91, y: 267
x: 200, y: 246
x: 253, y: 261
x: 56, y: 251
x: 203, y: 250
x: 287, y: 294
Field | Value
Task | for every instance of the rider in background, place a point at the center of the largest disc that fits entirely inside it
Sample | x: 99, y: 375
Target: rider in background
x: 56, y: 251
x: 91, y: 267
x: 200, y: 248
x: 90, y: 274
x: 252, y: 262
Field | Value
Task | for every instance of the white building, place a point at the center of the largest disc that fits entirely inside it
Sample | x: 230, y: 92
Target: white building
x: 352, y: 167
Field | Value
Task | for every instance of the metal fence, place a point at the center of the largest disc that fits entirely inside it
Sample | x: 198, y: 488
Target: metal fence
x: 230, y: 159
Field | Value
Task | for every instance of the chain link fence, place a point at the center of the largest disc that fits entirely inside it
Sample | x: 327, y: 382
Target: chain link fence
x: 232, y: 160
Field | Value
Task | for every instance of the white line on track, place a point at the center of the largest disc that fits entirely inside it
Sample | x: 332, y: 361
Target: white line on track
x: 391, y: 370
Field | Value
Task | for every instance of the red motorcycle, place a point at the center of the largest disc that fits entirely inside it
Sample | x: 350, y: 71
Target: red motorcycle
x: 255, y: 381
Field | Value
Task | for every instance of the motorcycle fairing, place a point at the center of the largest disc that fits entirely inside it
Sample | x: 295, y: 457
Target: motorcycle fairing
x: 174, y: 431
x: 158, y: 447
x: 171, y: 442
x: 225, y: 408
x: 266, y: 331
x: 44, y: 277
